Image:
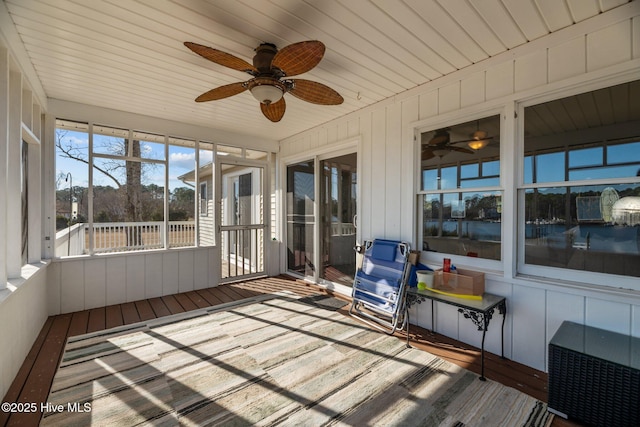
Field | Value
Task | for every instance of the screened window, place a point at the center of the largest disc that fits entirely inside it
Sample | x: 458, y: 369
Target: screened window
x: 461, y: 197
x: 123, y: 190
x: 581, y: 189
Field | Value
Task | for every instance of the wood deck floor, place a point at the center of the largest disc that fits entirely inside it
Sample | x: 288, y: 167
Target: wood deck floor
x: 34, y: 379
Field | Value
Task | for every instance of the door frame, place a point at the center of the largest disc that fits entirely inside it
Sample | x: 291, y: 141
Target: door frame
x: 265, y: 209
x: 348, y: 146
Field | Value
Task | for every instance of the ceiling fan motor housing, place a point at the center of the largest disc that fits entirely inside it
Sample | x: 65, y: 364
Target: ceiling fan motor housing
x: 264, y: 57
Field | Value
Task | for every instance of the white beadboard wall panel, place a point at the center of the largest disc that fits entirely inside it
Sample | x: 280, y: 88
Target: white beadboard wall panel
x: 135, y: 273
x: 560, y: 307
x: 409, y: 114
x: 116, y: 279
x: 185, y: 266
x: 609, y: 46
x: 609, y: 315
x: 530, y: 71
x: 153, y: 278
x: 317, y: 141
x: 201, y: 262
x: 416, y: 318
x: 567, y: 59
x: 353, y: 127
x: 472, y: 89
x: 22, y: 314
x: 170, y: 272
x: 366, y: 199
x: 95, y: 294
x: 498, y: 286
x: 635, y: 35
x: 379, y: 171
x: 446, y: 319
x: 214, y: 266
x: 449, y: 98
x: 53, y: 289
x: 528, y: 323
x: 428, y: 105
x: 72, y: 287
x: 499, y: 80
x: 393, y: 171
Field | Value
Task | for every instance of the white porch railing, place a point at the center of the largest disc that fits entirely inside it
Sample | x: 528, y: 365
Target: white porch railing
x: 242, y: 250
x: 342, y: 229
x: 124, y: 236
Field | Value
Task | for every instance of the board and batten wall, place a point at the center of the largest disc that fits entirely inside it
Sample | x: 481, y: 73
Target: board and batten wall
x: 600, y: 51
x: 84, y: 283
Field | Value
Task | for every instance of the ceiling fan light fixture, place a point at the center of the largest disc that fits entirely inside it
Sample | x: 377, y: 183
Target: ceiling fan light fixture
x: 479, y: 141
x: 267, y: 93
x: 440, y: 152
x: 479, y: 144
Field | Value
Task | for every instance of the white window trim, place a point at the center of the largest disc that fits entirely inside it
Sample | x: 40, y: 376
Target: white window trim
x: 574, y: 278
x: 452, y: 119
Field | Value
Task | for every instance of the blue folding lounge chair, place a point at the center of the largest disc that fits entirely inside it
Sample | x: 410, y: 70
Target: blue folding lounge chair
x: 379, y: 285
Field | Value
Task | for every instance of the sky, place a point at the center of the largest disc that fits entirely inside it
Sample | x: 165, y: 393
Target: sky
x: 181, y: 160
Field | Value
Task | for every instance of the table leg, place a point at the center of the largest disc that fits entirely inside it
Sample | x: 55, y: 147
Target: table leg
x: 433, y: 322
x: 503, y: 310
x: 484, y: 332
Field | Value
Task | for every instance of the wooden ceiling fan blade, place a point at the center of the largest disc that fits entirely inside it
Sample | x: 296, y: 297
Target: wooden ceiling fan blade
x: 298, y: 58
x: 315, y: 92
x: 274, y: 111
x: 222, y: 58
x: 427, y: 154
x: 222, y: 92
x: 461, y: 149
x: 471, y: 140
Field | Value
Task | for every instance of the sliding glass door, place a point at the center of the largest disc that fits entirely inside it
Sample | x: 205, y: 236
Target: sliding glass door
x: 300, y: 203
x: 321, y: 211
x: 338, y: 191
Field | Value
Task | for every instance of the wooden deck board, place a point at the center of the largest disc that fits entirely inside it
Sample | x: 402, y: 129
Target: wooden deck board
x: 208, y: 296
x: 159, y: 307
x: 232, y: 293
x: 129, y: 313
x: 37, y: 385
x: 97, y: 320
x: 13, y: 394
x: 219, y: 294
x: 244, y: 293
x: 199, y: 298
x: 172, y: 304
x: 144, y: 310
x: 79, y: 323
x: 186, y: 302
x: 34, y: 379
x: 113, y: 316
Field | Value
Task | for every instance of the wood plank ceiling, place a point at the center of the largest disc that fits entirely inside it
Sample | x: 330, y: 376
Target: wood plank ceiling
x: 129, y: 54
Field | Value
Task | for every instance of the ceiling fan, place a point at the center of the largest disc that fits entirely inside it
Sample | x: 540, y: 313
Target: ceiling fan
x: 440, y: 144
x: 271, y: 70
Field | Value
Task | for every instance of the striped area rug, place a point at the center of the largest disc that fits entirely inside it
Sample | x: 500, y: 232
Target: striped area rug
x: 268, y: 361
